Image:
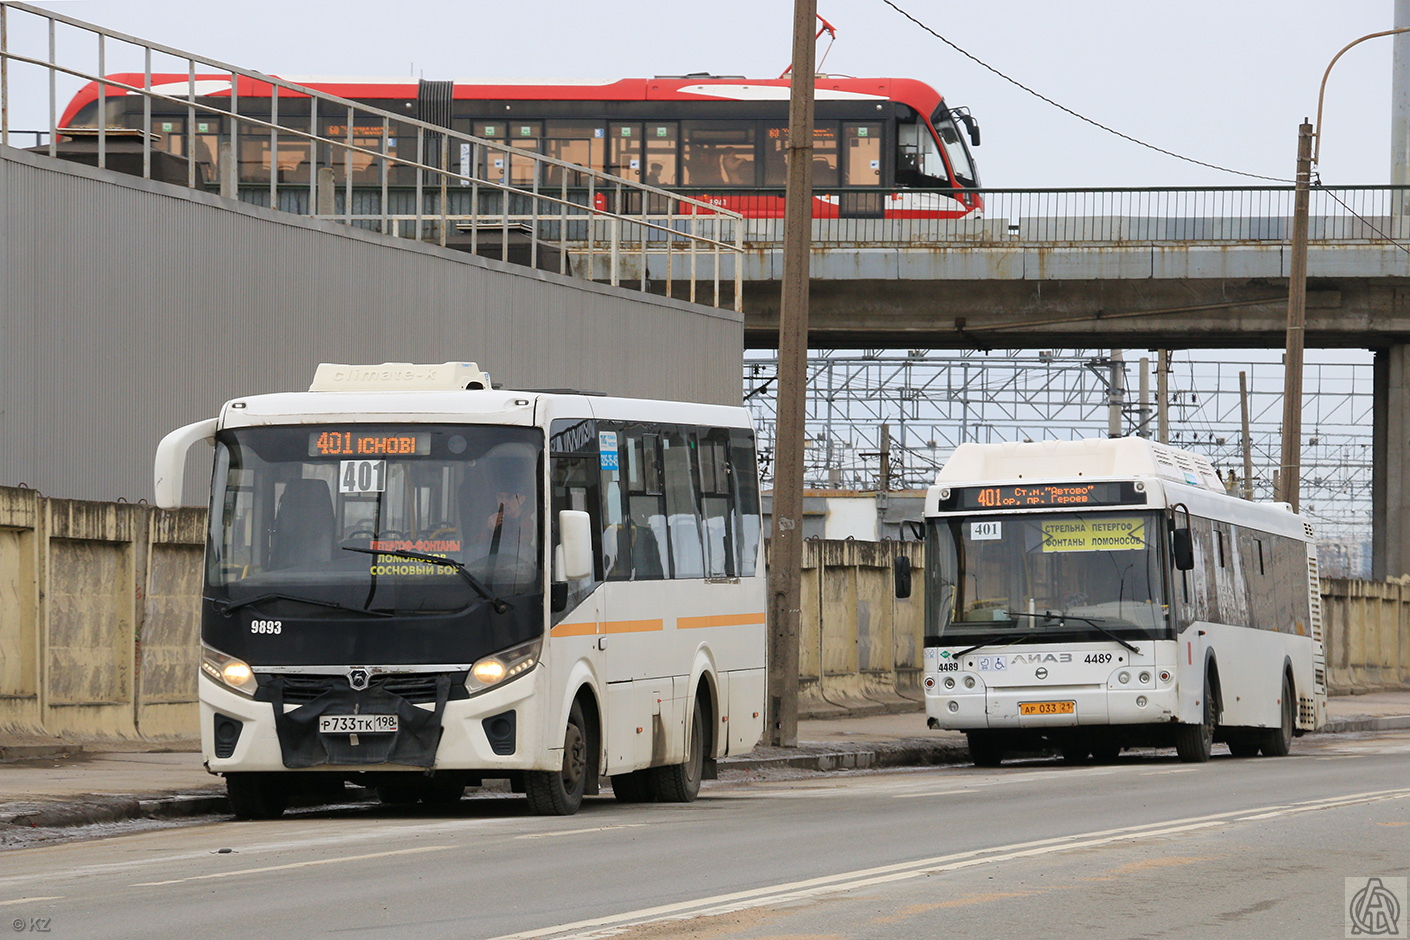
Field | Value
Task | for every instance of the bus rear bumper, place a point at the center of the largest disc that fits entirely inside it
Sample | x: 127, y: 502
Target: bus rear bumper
x: 1036, y: 708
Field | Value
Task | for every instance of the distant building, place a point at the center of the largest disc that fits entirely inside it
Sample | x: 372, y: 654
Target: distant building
x: 849, y: 514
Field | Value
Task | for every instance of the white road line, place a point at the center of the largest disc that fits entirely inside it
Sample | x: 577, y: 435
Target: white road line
x: 57, y: 897
x: 916, y: 796
x: 576, y: 832
x: 292, y: 865
x: 846, y: 881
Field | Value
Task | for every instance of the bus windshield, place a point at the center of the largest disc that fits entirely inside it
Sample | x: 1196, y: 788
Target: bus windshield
x: 322, y: 524
x: 1017, y: 577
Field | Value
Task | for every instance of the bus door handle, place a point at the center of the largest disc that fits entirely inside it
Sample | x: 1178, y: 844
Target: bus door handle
x: 602, y: 642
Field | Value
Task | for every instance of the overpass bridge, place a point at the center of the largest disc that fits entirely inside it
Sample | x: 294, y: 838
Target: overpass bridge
x: 1159, y: 268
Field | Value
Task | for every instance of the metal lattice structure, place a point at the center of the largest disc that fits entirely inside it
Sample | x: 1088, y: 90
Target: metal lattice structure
x: 930, y: 402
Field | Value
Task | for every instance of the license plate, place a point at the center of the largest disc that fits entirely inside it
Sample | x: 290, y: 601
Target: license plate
x: 1047, y: 708
x: 356, y: 724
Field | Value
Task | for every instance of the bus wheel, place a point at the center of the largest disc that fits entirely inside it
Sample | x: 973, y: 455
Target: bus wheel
x: 634, y: 787
x: 680, y: 783
x: 1277, y: 742
x: 560, y: 792
x: 985, y: 749
x: 257, y: 795
x: 1194, y: 742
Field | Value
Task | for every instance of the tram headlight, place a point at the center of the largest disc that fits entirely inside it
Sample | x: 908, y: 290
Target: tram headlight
x: 503, y: 666
x: 230, y: 672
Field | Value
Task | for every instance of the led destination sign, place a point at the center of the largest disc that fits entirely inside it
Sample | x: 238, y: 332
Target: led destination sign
x: 352, y: 443
x: 1044, y: 496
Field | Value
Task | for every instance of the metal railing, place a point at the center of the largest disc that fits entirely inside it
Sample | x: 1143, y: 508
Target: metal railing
x: 380, y: 171
x: 1126, y: 216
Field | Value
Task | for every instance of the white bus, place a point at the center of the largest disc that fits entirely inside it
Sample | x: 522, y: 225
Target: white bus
x: 1094, y: 595
x: 417, y: 582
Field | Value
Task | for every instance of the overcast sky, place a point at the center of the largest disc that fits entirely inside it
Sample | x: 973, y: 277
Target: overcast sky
x: 1223, y: 82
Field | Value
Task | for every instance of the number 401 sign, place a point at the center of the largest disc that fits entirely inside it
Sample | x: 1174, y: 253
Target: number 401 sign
x: 362, y: 476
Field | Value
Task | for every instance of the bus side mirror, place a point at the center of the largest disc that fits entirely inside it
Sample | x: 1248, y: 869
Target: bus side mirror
x: 575, y: 535
x: 902, y: 568
x: 169, y: 471
x: 1184, y: 548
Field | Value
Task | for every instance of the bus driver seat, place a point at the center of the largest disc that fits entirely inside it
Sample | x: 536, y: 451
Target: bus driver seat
x: 303, y: 526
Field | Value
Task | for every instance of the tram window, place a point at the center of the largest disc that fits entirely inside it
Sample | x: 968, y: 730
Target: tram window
x: 582, y: 143
x: 955, y: 150
x: 524, y: 138
x: 918, y: 160
x: 824, y: 156
x: 660, y: 164
x: 624, y: 160
x: 863, y: 154
x: 717, y: 153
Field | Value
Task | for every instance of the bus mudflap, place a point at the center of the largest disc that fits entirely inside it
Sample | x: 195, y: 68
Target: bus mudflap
x: 413, y: 743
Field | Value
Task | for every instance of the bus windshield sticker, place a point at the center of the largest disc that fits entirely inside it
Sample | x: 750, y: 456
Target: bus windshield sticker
x: 991, y: 529
x: 607, y: 447
x: 362, y: 476
x: 1094, y: 535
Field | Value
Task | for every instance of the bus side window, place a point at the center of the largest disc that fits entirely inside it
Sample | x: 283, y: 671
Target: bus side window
x: 744, y: 483
x: 574, y: 479
x: 712, y: 454
x: 682, y: 508
x: 646, y: 505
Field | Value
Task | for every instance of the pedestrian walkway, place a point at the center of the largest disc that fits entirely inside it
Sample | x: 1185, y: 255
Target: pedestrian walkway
x: 45, y: 783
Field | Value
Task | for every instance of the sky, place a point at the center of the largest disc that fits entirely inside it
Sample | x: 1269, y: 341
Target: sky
x: 1226, y: 82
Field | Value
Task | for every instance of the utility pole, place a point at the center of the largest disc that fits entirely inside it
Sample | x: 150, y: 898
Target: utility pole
x: 1297, y: 317
x: 786, y: 540
x: 1162, y: 396
x: 1116, y: 394
x: 885, y: 458
x: 1247, y: 442
x: 1143, y: 428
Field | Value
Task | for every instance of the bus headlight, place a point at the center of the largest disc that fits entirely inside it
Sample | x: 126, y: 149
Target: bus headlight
x: 228, y: 671
x: 503, y: 666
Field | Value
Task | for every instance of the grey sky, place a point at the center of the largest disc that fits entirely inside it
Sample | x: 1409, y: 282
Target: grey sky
x: 1224, y: 82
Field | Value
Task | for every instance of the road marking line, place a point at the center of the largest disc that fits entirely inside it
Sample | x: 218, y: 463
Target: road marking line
x: 57, y: 897
x: 916, y: 796
x: 292, y: 865
x: 574, y: 832
x: 901, y: 871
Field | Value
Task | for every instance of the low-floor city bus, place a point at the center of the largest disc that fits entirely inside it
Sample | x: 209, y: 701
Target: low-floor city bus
x: 417, y: 582
x: 1088, y: 596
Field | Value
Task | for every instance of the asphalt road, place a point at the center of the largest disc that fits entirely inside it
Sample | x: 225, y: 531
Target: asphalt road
x: 1147, y: 847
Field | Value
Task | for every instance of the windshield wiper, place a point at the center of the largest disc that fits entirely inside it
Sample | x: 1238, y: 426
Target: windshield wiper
x: 1062, y: 619
x: 1009, y: 642
x: 226, y: 608
x: 499, y: 604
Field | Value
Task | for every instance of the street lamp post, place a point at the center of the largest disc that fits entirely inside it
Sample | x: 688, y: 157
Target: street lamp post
x: 1309, y: 148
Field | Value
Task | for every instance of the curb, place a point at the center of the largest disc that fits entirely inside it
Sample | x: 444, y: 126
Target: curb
x: 823, y: 758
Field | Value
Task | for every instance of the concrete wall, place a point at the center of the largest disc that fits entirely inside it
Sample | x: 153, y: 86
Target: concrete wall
x: 99, y: 633
x: 98, y: 618
x: 129, y: 307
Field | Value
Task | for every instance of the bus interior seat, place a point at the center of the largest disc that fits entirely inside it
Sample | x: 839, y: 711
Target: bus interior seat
x: 303, y: 525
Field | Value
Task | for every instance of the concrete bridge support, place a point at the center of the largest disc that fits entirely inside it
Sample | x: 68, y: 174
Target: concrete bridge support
x: 1390, y: 474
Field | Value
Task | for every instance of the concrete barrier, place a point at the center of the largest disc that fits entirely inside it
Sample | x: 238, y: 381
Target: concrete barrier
x: 99, y: 610
x: 98, y: 618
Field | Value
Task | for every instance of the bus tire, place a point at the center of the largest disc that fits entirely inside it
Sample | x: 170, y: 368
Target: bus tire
x: 1277, y: 742
x: 985, y: 749
x: 1195, y: 742
x: 257, y: 795
x: 634, y: 787
x: 560, y: 792
x: 680, y: 783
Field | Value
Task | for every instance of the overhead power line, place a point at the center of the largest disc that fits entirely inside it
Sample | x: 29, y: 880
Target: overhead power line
x: 1081, y: 117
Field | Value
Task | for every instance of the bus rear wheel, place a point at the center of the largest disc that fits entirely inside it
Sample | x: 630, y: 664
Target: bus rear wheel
x: 257, y: 795
x: 560, y: 792
x: 680, y: 783
x: 1277, y: 742
x: 1195, y: 742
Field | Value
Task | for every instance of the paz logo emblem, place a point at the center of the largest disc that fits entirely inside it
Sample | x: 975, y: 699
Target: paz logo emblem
x: 358, y: 677
x: 1041, y: 673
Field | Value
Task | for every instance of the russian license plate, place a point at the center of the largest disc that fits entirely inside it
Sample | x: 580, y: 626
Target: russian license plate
x: 1047, y: 708
x: 356, y: 724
